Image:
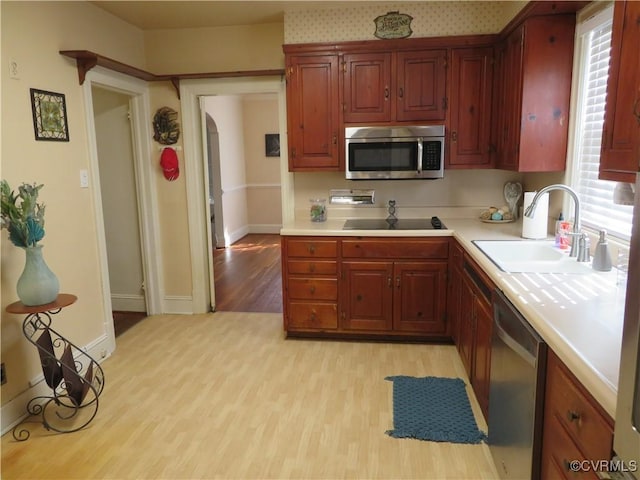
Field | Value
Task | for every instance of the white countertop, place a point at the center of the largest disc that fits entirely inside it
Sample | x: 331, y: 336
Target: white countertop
x: 580, y: 317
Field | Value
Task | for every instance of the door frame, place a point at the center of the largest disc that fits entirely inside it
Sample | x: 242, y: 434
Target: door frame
x: 138, y: 93
x: 196, y: 173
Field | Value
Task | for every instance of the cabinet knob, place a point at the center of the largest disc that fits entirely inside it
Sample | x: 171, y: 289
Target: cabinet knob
x: 401, y: 92
x: 389, y: 282
x: 312, y: 249
x: 312, y: 289
x: 312, y: 267
x: 573, y: 416
x: 454, y: 136
x: 313, y: 316
x: 398, y: 282
x: 386, y: 93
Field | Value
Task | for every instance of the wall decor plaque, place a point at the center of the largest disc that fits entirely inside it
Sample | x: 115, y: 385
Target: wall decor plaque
x: 393, y: 25
x: 49, y: 115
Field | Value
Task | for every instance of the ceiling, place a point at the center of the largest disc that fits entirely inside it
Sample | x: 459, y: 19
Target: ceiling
x: 152, y: 15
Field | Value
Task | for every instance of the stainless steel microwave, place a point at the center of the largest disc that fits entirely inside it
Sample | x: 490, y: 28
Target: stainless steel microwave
x: 398, y: 152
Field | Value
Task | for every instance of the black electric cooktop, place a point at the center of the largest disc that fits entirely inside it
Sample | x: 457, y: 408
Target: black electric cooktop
x: 432, y: 223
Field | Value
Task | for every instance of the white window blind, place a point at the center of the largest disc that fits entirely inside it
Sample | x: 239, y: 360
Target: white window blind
x: 596, y: 196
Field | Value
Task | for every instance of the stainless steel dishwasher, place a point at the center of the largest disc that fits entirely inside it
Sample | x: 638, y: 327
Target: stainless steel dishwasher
x: 516, y: 393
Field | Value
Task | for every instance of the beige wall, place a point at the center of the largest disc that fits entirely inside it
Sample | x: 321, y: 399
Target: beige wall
x: 264, y: 203
x: 222, y: 49
x: 32, y: 33
x: 172, y: 206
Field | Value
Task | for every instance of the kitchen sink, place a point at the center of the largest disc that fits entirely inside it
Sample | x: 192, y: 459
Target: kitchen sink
x: 535, y: 256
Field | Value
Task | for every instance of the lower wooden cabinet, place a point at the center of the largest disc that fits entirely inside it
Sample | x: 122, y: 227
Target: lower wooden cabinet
x: 356, y: 286
x: 473, y: 313
x: 576, y: 428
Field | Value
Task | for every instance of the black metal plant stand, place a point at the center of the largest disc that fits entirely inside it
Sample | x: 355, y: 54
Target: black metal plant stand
x: 76, y: 380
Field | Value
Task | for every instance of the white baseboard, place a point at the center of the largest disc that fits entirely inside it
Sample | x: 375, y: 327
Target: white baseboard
x: 175, y: 304
x: 128, y: 303
x: 14, y: 411
x: 236, y: 235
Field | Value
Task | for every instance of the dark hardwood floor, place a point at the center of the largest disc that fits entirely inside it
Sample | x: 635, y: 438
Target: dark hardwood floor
x: 123, y: 321
x: 247, y: 275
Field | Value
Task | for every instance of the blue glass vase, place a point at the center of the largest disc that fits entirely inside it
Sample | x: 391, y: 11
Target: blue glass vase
x: 37, y: 285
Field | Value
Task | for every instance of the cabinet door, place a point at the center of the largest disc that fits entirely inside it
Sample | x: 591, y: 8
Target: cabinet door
x: 367, y: 87
x: 509, y: 108
x: 467, y: 328
x: 470, y: 118
x: 312, y: 113
x: 419, y: 301
x: 620, y: 155
x: 482, y: 354
x: 421, y: 93
x: 367, y: 296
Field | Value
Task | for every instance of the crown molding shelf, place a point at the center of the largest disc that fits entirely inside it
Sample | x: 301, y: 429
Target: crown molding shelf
x: 86, y: 60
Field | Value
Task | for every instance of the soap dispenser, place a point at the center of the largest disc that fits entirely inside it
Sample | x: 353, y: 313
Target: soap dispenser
x: 602, y: 257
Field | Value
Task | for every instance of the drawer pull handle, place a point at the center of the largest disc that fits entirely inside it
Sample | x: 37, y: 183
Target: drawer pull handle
x: 312, y: 289
x: 398, y: 282
x: 312, y: 317
x: 573, y: 416
x: 312, y: 249
x: 312, y: 267
x: 389, y: 282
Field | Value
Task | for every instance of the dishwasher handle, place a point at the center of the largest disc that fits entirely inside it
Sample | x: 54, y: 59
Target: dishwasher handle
x: 513, y: 344
x: 511, y: 327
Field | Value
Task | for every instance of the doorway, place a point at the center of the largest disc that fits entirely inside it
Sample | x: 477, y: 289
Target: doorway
x: 244, y: 198
x: 192, y: 94
x: 119, y: 201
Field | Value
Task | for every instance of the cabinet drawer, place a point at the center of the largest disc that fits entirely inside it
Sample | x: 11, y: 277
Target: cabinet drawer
x: 312, y: 248
x: 396, y: 249
x: 315, y: 267
x: 313, y: 315
x: 559, y: 451
x: 313, y: 288
x: 577, y: 412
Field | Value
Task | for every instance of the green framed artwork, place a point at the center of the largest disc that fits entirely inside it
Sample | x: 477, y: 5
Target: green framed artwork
x: 49, y: 115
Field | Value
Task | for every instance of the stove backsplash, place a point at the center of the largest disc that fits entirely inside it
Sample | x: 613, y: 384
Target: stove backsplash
x: 459, y: 188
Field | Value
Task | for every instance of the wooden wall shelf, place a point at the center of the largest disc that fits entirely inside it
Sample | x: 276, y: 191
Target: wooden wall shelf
x: 86, y: 60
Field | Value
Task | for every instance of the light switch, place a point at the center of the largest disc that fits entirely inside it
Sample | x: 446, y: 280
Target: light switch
x: 84, y: 179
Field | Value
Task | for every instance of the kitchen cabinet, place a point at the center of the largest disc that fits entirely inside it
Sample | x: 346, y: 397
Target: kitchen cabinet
x: 310, y: 283
x: 315, y: 133
x: 403, y: 86
x: 470, y: 108
x: 620, y: 151
x: 381, y: 287
x: 395, y: 286
x: 575, y: 427
x: 475, y: 329
x: 532, y: 100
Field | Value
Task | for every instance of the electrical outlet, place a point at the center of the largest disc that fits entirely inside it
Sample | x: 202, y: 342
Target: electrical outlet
x: 14, y: 72
x: 3, y: 374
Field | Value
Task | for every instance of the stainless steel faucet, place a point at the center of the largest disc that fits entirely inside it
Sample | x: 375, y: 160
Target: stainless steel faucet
x: 577, y: 247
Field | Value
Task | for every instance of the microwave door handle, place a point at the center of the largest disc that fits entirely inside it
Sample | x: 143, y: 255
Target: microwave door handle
x: 419, y: 156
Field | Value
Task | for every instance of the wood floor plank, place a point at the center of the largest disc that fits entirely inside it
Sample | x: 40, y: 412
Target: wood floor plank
x: 247, y: 275
x: 225, y: 395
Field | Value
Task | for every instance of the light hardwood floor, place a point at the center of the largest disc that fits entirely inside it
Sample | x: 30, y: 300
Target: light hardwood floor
x: 225, y: 395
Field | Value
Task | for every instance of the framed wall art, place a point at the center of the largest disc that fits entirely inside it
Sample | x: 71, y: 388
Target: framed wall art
x: 272, y: 144
x: 49, y: 115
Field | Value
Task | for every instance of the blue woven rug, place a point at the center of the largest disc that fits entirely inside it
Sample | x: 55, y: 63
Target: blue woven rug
x: 434, y: 409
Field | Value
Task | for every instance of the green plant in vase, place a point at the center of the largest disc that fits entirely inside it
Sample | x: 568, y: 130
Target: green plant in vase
x: 23, y: 216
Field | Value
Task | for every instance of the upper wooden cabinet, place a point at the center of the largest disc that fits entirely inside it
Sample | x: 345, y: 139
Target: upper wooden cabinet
x: 395, y: 87
x: 620, y: 153
x: 470, y: 108
x: 533, y: 94
x: 314, y: 129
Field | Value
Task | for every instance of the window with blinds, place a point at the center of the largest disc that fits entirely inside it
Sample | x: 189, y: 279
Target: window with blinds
x: 596, y: 196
